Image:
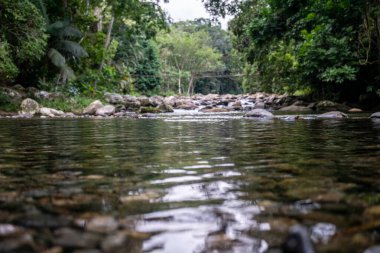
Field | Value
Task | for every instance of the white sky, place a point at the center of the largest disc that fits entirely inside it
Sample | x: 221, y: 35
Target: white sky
x: 182, y: 10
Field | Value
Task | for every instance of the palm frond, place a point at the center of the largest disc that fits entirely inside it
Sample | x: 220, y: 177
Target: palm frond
x: 56, y: 58
x: 69, y: 32
x: 56, y: 26
x: 71, y: 48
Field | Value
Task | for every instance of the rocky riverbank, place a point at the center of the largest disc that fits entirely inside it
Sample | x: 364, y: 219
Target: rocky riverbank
x: 117, y: 105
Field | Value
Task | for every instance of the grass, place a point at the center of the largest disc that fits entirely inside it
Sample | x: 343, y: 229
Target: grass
x: 73, y: 104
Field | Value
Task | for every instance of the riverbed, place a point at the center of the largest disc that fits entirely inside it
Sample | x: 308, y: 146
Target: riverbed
x: 188, y: 183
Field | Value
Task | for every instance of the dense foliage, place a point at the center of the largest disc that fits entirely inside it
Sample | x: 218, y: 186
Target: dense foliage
x: 327, y: 48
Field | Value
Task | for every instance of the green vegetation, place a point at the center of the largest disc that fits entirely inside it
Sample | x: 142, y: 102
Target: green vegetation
x: 329, y: 49
x: 324, y: 49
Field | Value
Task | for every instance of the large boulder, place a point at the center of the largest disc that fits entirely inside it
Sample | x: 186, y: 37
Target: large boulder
x: 105, y: 110
x: 29, y: 106
x: 93, y: 107
x: 333, y: 115
x: 113, y: 98
x: 259, y: 113
x: 50, y: 112
x: 156, y: 100
x: 375, y: 115
x: 295, y: 108
x: 165, y: 107
x: 131, y: 102
x: 214, y: 110
x: 144, y: 101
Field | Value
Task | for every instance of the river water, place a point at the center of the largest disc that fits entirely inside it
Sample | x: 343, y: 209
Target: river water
x: 187, y: 183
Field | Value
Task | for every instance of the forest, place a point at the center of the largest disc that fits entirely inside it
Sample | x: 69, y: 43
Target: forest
x: 321, y: 49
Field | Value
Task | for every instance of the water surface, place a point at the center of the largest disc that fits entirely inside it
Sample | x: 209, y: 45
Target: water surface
x: 187, y: 183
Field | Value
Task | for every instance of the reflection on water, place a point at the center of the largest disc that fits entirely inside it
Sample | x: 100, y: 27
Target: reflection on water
x: 187, y: 183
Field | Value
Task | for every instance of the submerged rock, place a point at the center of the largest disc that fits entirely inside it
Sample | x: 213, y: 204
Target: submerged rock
x: 92, y: 108
x: 333, y: 115
x: 259, y: 113
x: 295, y: 108
x: 29, y: 106
x: 298, y: 241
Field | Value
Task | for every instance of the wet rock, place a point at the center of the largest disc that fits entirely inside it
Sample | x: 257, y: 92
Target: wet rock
x: 327, y: 105
x: 114, y: 98
x: 29, y: 106
x: 115, y: 242
x: 23, y: 243
x: 93, y: 107
x: 50, y: 112
x: 8, y: 230
x: 355, y: 110
x: 298, y: 241
x: 102, y: 224
x: 71, y: 238
x: 105, y: 110
x: 374, y: 249
x: 13, y: 95
x: 259, y: 105
x: 43, y: 221
x: 259, y: 113
x: 295, y: 108
x: 333, y: 115
x: 322, y: 232
x: 375, y: 115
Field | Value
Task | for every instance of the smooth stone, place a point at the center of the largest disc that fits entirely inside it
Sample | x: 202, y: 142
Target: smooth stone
x: 29, y: 106
x: 23, y: 243
x: 355, y: 110
x: 295, y: 108
x: 298, y: 241
x: 259, y: 113
x: 102, y: 224
x: 92, y: 108
x: 105, y: 110
x: 375, y: 115
x: 50, y: 112
x: 67, y: 237
x: 333, y: 115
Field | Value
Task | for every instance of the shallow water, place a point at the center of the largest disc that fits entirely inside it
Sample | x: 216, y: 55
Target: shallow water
x: 188, y: 183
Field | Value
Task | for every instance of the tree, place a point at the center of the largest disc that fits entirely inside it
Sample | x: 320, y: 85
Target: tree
x: 23, y: 39
x: 184, y: 53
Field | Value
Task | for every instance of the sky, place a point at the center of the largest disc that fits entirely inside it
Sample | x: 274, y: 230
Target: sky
x: 181, y: 10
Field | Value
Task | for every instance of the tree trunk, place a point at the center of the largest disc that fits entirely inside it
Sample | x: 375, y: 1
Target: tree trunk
x: 108, y: 41
x: 179, y: 82
x: 190, y: 90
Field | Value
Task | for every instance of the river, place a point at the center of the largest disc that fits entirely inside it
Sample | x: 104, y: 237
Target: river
x: 187, y: 183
